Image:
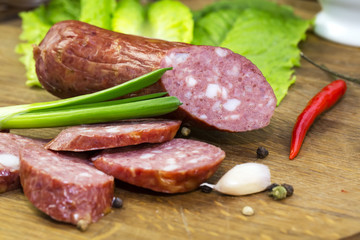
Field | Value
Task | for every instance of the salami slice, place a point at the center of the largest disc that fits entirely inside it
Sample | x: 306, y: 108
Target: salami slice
x: 65, y: 187
x: 10, y: 145
x: 179, y: 165
x: 218, y: 88
x: 111, y: 135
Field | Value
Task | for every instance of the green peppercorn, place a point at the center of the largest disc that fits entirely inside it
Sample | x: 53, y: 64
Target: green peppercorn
x: 279, y: 192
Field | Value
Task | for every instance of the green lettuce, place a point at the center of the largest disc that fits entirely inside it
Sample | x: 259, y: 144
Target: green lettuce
x: 34, y: 29
x: 166, y: 19
x: 26, y: 52
x: 129, y: 17
x: 171, y: 20
x: 35, y: 25
x: 262, y: 31
x: 60, y: 10
x: 212, y: 28
x: 98, y: 13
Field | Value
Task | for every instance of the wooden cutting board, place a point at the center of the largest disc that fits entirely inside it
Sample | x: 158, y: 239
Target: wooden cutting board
x: 325, y: 175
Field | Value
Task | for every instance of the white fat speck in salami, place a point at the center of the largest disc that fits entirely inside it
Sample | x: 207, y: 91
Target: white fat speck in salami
x: 171, y: 161
x: 168, y: 60
x: 171, y: 167
x: 231, y: 104
x: 212, y: 90
x: 9, y: 160
x: 147, y: 155
x: 111, y: 130
x: 270, y: 103
x: 190, y: 81
x: 221, y: 52
x: 234, y: 71
x: 180, y: 154
x: 156, y: 151
x: 216, y: 107
x: 188, y: 94
x: 181, y: 57
x: 178, y: 165
x: 235, y: 116
x: 227, y: 85
x: 224, y: 93
x: 85, y: 174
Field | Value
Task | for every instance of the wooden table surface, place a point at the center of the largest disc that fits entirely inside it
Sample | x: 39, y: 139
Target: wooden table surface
x: 325, y: 175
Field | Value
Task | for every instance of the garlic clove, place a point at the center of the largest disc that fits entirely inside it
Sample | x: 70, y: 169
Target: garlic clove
x: 244, y: 179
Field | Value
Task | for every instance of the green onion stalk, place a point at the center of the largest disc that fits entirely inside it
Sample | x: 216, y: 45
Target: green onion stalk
x: 92, y: 108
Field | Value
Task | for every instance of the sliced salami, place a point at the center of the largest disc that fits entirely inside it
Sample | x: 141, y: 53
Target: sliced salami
x: 179, y: 165
x: 10, y: 145
x: 65, y: 187
x: 218, y: 88
x: 111, y: 135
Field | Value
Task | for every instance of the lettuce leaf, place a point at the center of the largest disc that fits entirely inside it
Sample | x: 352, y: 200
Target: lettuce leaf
x: 34, y: 28
x: 129, y: 17
x: 262, y: 31
x: 170, y: 20
x: 60, y: 10
x: 98, y: 13
x: 35, y: 25
x: 26, y: 50
x: 165, y: 19
x: 213, y: 27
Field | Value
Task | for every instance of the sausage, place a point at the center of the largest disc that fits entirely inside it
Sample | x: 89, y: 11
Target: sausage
x: 76, y: 58
x: 179, y: 165
x: 10, y: 145
x: 111, y: 135
x: 219, y: 89
x: 65, y: 187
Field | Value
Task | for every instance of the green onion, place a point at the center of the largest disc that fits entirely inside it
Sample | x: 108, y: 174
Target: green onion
x: 92, y: 108
x: 104, y: 95
x: 90, y: 114
x: 107, y: 103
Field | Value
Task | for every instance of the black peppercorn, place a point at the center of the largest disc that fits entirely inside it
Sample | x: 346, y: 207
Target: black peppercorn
x: 262, y: 152
x: 289, y: 189
x: 270, y: 187
x: 117, y: 202
x: 206, y: 188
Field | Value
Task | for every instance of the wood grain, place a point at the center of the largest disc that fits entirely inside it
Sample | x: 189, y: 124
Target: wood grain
x: 325, y: 175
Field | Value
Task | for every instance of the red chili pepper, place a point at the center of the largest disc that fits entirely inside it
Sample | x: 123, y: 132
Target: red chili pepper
x: 321, y: 102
